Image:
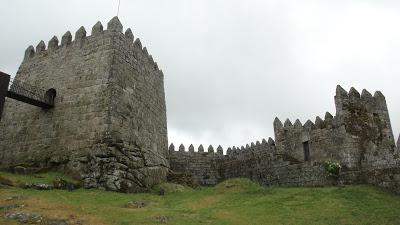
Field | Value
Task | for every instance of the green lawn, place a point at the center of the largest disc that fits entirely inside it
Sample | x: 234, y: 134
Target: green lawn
x: 236, y: 201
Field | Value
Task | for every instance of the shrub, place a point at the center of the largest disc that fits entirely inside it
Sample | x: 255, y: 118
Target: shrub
x: 332, y: 169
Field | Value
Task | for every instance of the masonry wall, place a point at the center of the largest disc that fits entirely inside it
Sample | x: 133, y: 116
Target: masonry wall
x: 108, y: 126
x: 360, y: 134
x: 259, y: 162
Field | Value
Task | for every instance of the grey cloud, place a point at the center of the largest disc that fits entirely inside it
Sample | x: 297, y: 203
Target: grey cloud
x: 232, y: 66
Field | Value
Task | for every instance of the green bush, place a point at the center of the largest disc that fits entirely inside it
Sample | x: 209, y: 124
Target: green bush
x: 332, y: 169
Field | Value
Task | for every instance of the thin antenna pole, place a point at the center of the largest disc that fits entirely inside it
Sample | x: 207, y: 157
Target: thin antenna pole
x: 119, y: 3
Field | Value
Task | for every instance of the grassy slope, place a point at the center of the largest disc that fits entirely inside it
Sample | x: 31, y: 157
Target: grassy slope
x: 235, y: 201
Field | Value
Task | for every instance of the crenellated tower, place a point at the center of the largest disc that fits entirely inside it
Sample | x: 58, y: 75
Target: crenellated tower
x: 358, y: 136
x: 108, y: 126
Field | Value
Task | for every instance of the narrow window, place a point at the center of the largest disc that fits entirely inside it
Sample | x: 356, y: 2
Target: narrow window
x: 306, y: 148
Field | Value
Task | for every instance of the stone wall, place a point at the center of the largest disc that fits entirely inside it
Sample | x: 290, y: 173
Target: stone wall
x: 259, y: 162
x: 359, y: 136
x: 108, y: 125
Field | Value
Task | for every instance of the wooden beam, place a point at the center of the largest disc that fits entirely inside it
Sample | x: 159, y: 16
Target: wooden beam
x: 4, y: 82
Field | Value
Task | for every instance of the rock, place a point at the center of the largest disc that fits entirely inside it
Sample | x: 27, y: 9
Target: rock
x: 60, y: 183
x: 23, y: 217
x: 56, y: 222
x: 161, y: 218
x: 137, y: 204
x: 37, y: 186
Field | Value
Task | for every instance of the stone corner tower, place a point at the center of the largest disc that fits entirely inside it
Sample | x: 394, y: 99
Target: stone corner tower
x: 109, y: 124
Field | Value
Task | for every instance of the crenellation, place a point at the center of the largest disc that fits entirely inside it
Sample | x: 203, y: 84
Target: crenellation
x: 115, y: 25
x: 80, y: 34
x: 365, y: 95
x: 41, y: 47
x: 210, y: 149
x: 297, y: 124
x: 53, y: 43
x: 271, y: 142
x: 145, y: 52
x: 328, y: 116
x: 109, y: 124
x: 95, y: 78
x: 308, y: 125
x: 288, y: 124
x: 66, y: 39
x: 171, y: 148
x: 181, y: 148
x: 319, y: 123
x: 129, y: 35
x: 97, y: 29
x: 277, y: 124
x: 220, y: 150
x: 29, y: 52
x: 264, y: 142
x: 138, y: 44
x: 191, y: 148
x: 229, y: 151
x: 354, y: 95
x: 200, y: 148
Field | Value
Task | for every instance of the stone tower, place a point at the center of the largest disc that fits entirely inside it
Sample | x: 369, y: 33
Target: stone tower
x: 108, y: 126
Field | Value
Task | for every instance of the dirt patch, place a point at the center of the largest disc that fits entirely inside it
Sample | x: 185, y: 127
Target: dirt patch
x: 205, y: 202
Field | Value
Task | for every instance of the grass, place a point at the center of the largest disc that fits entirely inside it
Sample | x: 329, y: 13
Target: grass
x: 236, y: 201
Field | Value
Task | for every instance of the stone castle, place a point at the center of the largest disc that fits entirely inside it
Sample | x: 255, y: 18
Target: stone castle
x: 108, y: 126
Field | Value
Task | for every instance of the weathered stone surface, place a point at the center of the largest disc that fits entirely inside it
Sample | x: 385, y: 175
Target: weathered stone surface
x: 66, y: 39
x: 97, y: 29
x: 108, y: 125
x: 137, y: 204
x: 53, y: 43
x: 23, y: 217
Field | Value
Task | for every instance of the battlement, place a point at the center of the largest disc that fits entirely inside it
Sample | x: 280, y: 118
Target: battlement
x: 231, y: 151
x: 109, y: 120
x: 114, y: 27
x: 328, y: 122
x: 346, y: 101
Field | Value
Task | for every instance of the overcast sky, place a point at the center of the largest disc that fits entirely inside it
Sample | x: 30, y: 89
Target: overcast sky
x: 231, y: 66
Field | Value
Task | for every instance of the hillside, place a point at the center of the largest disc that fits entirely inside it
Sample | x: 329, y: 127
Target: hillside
x: 237, y: 201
